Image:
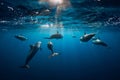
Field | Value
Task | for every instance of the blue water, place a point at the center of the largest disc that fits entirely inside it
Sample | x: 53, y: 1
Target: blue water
x: 78, y: 60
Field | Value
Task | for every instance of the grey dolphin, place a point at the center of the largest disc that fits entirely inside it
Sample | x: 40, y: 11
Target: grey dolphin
x: 55, y: 36
x: 20, y: 37
x: 99, y: 42
x: 33, y: 50
x: 86, y: 37
x: 50, y: 47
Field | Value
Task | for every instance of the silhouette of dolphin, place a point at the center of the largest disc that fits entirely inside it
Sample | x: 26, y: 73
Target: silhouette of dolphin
x: 99, y: 42
x: 33, y: 50
x: 55, y: 36
x: 50, y: 47
x: 86, y: 37
x: 20, y: 37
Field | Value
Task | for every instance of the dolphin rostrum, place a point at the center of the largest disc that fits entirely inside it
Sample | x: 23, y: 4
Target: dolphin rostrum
x: 86, y: 37
x: 33, y: 50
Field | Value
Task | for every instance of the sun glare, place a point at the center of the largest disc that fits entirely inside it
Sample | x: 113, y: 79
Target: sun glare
x: 56, y: 1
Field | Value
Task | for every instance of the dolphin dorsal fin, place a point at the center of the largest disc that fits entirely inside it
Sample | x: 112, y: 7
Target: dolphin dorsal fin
x: 31, y: 46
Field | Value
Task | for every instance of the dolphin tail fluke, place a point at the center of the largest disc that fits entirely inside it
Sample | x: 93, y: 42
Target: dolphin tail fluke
x: 25, y: 66
x: 53, y: 55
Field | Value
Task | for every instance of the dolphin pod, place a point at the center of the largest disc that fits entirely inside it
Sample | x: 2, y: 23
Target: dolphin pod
x: 33, y: 50
x: 96, y: 41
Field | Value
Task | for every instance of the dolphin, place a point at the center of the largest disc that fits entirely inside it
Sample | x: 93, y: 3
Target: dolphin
x: 33, y: 50
x: 99, y: 42
x: 55, y: 36
x: 20, y: 37
x: 87, y: 37
x: 50, y: 47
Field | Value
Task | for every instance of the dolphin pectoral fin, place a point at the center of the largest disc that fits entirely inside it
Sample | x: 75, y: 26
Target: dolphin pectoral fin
x: 25, y: 66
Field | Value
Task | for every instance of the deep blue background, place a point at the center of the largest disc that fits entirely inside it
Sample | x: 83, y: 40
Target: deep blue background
x: 78, y: 61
